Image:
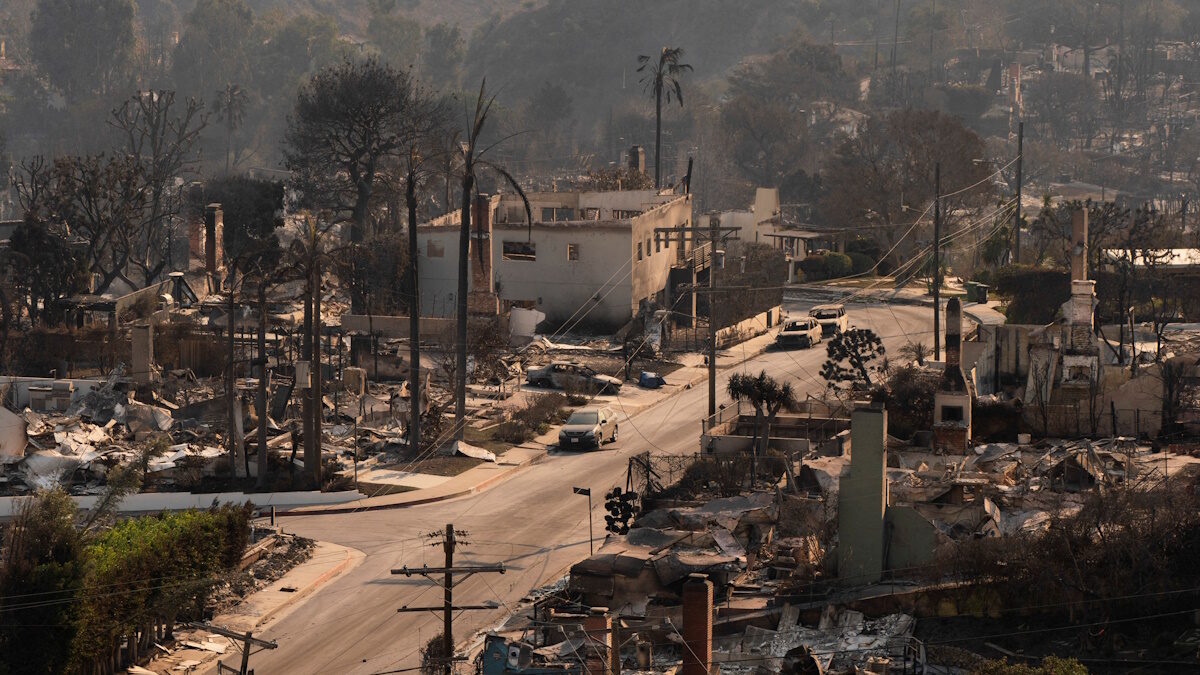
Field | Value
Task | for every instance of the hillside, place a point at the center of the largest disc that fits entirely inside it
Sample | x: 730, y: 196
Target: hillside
x: 590, y: 47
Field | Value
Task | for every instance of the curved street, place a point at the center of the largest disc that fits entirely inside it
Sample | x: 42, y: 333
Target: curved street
x: 532, y: 523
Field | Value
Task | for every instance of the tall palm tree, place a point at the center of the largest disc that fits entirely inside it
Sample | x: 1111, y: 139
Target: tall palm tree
x: 662, y: 78
x: 473, y: 164
x: 230, y: 108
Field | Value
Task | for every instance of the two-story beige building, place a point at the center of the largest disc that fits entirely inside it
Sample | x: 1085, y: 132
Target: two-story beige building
x: 591, y: 258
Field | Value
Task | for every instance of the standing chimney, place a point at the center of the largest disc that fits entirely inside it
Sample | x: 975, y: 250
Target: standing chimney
x: 213, y: 234
x: 697, y: 625
x: 952, y: 402
x: 637, y: 159
x: 952, y: 378
x: 1079, y: 245
x: 597, y: 627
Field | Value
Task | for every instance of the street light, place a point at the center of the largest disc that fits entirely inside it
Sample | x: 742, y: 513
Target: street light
x: 591, y: 539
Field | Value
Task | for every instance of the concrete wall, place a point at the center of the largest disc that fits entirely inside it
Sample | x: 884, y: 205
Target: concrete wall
x: 607, y: 281
x: 153, y: 502
x: 601, y: 280
x: 911, y: 539
x: 862, y: 501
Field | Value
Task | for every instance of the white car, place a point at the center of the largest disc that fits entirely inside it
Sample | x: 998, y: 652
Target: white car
x: 831, y: 317
x: 804, y: 332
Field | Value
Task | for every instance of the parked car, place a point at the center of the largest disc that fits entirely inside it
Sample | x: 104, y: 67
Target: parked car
x: 804, y: 332
x: 588, y: 428
x: 831, y: 317
x: 570, y: 375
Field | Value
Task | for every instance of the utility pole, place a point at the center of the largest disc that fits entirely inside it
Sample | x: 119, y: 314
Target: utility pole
x: 714, y: 225
x: 714, y: 234
x: 261, y: 408
x: 318, y: 400
x: 247, y: 639
x: 306, y: 355
x: 937, y: 261
x: 449, y: 543
x: 231, y: 375
x: 1017, y: 220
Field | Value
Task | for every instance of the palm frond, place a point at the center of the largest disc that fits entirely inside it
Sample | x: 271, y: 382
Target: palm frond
x: 524, y: 198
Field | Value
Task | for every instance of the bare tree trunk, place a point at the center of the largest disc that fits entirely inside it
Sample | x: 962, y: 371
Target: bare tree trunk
x: 460, y: 335
x: 313, y: 464
x: 264, y: 462
x: 307, y: 355
x: 414, y: 321
x: 657, y: 135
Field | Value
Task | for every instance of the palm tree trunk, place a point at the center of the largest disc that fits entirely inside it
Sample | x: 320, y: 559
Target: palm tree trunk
x: 657, y: 134
x: 460, y: 337
x: 414, y: 321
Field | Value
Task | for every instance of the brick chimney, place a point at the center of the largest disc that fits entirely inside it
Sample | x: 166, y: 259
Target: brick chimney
x: 637, y: 159
x: 1080, y: 309
x: 952, y: 402
x: 598, y: 628
x: 952, y: 378
x: 214, y: 227
x: 697, y: 625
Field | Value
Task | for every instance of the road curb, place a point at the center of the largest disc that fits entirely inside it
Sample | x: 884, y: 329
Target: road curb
x: 421, y: 501
x: 352, y: 559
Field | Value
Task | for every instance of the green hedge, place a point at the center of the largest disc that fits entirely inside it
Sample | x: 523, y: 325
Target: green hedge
x: 1035, y: 294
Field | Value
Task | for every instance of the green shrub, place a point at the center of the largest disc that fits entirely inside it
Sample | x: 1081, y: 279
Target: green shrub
x: 861, y: 263
x: 838, y: 265
x: 813, y: 268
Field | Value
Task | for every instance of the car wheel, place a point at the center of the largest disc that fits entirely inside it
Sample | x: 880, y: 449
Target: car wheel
x: 614, y: 434
x: 543, y: 383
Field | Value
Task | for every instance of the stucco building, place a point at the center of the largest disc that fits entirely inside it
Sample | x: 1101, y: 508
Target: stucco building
x: 588, y: 258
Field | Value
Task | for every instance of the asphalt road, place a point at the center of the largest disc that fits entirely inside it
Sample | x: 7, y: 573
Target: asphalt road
x: 533, y: 523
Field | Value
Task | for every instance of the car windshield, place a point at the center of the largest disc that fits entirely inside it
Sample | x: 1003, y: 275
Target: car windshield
x: 795, y: 325
x: 583, y: 417
x: 825, y: 313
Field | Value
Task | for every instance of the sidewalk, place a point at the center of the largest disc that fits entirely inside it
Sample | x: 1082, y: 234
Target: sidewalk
x: 328, y: 562
x: 486, y: 475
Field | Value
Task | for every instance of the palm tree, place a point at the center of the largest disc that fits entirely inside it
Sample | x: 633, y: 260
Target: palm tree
x: 662, y: 77
x: 768, y: 396
x: 473, y: 164
x: 231, y: 108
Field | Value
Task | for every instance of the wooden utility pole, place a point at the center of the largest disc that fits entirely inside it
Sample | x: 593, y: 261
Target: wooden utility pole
x: 230, y: 377
x: 306, y: 355
x: 713, y: 235
x: 937, y: 261
x: 1017, y: 220
x: 246, y: 639
x: 318, y: 400
x: 449, y: 543
x: 261, y: 408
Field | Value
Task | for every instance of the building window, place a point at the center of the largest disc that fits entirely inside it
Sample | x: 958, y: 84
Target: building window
x: 625, y: 214
x: 647, y: 247
x: 547, y: 214
x: 591, y: 214
x: 657, y: 243
x: 434, y: 249
x: 572, y: 252
x: 520, y: 250
x: 639, y: 250
x: 952, y: 413
x: 564, y: 214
